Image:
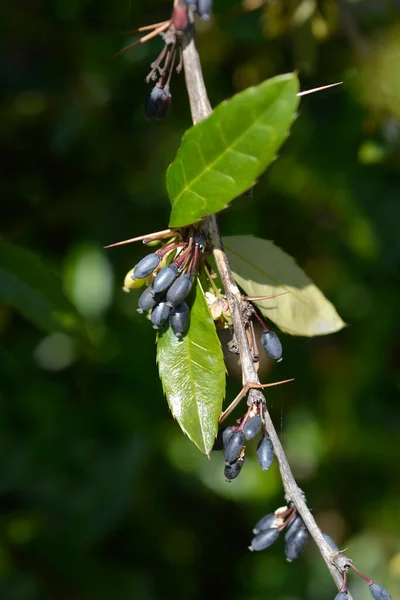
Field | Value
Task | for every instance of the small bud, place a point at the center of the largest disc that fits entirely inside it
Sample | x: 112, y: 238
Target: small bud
x: 160, y: 314
x: 164, y: 278
x: 265, y: 453
x: 378, y: 592
x: 265, y: 523
x: 233, y: 447
x: 331, y: 542
x: 179, y: 289
x: 272, y: 345
x: 252, y: 427
x: 157, y: 103
x: 233, y: 470
x: 294, y: 545
x: 341, y: 596
x: 148, y: 300
x: 146, y: 266
x: 130, y: 283
x: 179, y: 319
x: 264, y: 539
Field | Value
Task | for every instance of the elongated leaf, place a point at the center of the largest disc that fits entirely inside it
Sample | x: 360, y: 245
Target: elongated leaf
x: 263, y: 269
x: 221, y: 157
x: 192, y: 372
x: 31, y: 289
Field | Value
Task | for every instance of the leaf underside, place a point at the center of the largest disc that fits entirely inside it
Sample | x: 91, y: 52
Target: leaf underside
x: 263, y: 269
x: 31, y: 289
x: 222, y: 157
x: 192, y: 372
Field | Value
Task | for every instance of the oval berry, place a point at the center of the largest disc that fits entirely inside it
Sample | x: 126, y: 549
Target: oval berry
x: 204, y: 8
x: 265, y: 523
x: 252, y: 427
x: 146, y: 266
x: 160, y: 314
x: 293, y: 527
x: 157, y: 103
x: 164, y: 278
x: 179, y: 319
x: 264, y: 539
x: 226, y: 436
x: 378, y: 592
x: 341, y: 596
x: 148, y: 300
x: 272, y: 345
x: 233, y: 470
x: 294, y: 546
x: 233, y: 447
x: 265, y: 453
x: 179, y: 289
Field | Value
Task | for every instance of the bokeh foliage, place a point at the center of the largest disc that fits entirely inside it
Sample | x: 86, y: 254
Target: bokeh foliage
x: 101, y: 495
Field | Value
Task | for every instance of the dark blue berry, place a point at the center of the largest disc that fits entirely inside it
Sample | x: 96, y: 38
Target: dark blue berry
x: 293, y: 527
x: 233, y: 447
x: 146, y: 266
x: 148, y: 300
x: 265, y: 523
x: 272, y: 345
x: 160, y: 314
x: 265, y: 453
x: 157, y: 103
x: 331, y: 542
x: 179, y: 319
x: 226, y: 436
x: 264, y: 539
x: 204, y: 8
x: 294, y: 545
x: 252, y: 427
x: 378, y: 592
x: 233, y: 470
x: 164, y: 278
x: 341, y: 596
x: 179, y: 289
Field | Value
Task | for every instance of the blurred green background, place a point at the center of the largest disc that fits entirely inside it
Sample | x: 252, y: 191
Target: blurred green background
x: 101, y: 495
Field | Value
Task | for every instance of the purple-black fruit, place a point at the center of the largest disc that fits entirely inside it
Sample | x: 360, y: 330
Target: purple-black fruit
x: 265, y: 523
x: 341, y: 596
x: 160, y: 314
x: 264, y: 539
x: 179, y: 319
x: 179, y: 289
x: 265, y: 453
x: 164, y: 278
x: 157, y: 103
x: 272, y: 345
x: 252, y: 427
x: 226, y: 436
x: 378, y: 592
x: 331, y: 542
x: 294, y: 545
x: 204, y: 8
x: 233, y: 470
x: 233, y: 447
x: 148, y: 300
x: 146, y: 266
x: 293, y: 527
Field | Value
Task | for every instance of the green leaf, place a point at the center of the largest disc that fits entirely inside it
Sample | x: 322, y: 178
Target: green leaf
x: 221, y: 157
x: 263, y: 269
x: 31, y: 289
x: 192, y: 372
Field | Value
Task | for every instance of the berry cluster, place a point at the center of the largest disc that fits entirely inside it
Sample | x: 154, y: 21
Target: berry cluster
x: 169, y: 274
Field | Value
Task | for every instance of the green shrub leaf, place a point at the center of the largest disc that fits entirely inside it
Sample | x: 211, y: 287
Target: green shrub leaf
x: 263, y: 269
x: 30, y: 288
x: 221, y: 157
x: 192, y: 372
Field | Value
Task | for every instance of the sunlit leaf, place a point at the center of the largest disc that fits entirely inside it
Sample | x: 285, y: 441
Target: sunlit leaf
x: 192, y: 372
x: 221, y: 157
x: 28, y: 285
x: 263, y: 269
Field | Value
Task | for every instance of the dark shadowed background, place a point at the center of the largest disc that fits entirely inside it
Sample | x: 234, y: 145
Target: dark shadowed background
x: 101, y: 495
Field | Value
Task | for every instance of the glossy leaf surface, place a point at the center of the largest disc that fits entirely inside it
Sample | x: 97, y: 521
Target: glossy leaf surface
x: 192, y: 372
x: 221, y: 157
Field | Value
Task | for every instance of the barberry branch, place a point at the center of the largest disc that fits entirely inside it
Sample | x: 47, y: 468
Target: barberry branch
x: 200, y: 109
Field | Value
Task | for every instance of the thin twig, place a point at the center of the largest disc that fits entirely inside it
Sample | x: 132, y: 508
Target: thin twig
x: 201, y: 109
